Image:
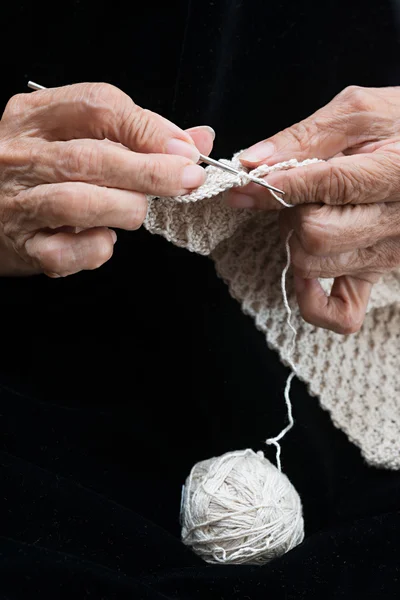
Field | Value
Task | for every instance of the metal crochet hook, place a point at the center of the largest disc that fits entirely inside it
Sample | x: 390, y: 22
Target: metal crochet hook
x: 211, y: 161
x: 220, y: 165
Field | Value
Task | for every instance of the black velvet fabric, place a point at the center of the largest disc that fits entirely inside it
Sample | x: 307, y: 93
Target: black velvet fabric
x: 114, y: 383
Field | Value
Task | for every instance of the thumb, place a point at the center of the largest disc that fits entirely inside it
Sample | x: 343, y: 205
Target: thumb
x: 330, y: 130
x: 307, y: 139
x: 203, y: 137
x: 343, y: 311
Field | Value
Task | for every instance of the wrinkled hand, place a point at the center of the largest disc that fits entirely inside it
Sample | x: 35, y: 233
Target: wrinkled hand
x: 79, y: 160
x: 347, y: 219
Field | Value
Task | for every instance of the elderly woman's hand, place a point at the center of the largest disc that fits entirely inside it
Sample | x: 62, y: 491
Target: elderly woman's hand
x: 76, y: 161
x: 347, y: 220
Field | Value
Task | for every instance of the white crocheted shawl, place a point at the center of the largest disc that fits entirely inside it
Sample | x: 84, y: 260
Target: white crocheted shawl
x: 356, y: 377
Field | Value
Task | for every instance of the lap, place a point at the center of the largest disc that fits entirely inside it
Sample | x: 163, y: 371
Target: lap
x: 101, y: 425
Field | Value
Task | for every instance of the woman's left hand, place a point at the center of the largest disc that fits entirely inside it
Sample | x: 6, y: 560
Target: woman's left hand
x: 346, y: 222
x: 354, y: 245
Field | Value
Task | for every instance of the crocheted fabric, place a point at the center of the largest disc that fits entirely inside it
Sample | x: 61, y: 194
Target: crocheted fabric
x: 356, y: 377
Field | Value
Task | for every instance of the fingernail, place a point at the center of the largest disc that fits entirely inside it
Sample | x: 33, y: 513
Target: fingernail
x: 299, y: 284
x: 209, y: 129
x: 238, y: 200
x: 260, y: 151
x: 182, y: 148
x: 113, y: 235
x: 193, y: 176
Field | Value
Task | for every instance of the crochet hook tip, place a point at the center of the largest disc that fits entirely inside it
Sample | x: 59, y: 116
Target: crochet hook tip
x: 220, y: 165
x: 35, y: 86
x: 267, y: 185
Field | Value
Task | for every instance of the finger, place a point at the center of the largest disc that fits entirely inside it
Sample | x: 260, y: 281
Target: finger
x: 98, y: 110
x: 104, y: 164
x: 309, y: 266
x: 343, y: 311
x: 63, y: 254
x: 372, y: 146
x: 75, y: 204
x: 203, y: 137
x: 367, y: 263
x: 355, y: 116
x: 325, y: 231
x: 358, y: 179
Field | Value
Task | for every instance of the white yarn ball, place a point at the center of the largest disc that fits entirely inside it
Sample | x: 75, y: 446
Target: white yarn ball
x: 239, y: 508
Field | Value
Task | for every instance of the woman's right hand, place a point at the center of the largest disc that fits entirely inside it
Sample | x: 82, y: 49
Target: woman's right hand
x: 76, y: 161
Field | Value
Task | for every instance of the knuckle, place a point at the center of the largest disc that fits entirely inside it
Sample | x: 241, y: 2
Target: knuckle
x: 140, y: 127
x: 103, y: 90
x: 16, y: 212
x: 138, y: 214
x: 153, y: 174
x: 357, y: 97
x: 312, y: 235
x: 103, y: 96
x: 303, y: 270
x: 333, y: 189
x: 67, y: 204
x: 98, y: 101
x: 295, y: 187
x: 51, y: 256
x: 90, y: 161
x: 49, y: 205
x: 160, y: 174
x: 389, y: 174
x: 350, y: 322
x: 303, y: 264
x: 31, y: 152
x: 70, y: 160
x: 347, y: 323
x: 18, y: 162
x: 338, y: 188
x: 20, y: 210
x: 81, y: 205
x: 102, y: 251
x: 17, y: 105
x: 302, y: 133
x: 83, y: 160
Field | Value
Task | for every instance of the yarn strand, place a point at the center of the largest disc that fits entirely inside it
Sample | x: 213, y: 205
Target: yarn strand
x: 275, y: 440
x: 239, y: 508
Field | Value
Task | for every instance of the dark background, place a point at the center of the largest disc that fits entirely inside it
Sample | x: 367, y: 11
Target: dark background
x: 114, y: 383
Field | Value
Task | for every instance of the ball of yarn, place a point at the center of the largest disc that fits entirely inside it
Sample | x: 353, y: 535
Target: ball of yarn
x: 239, y: 508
